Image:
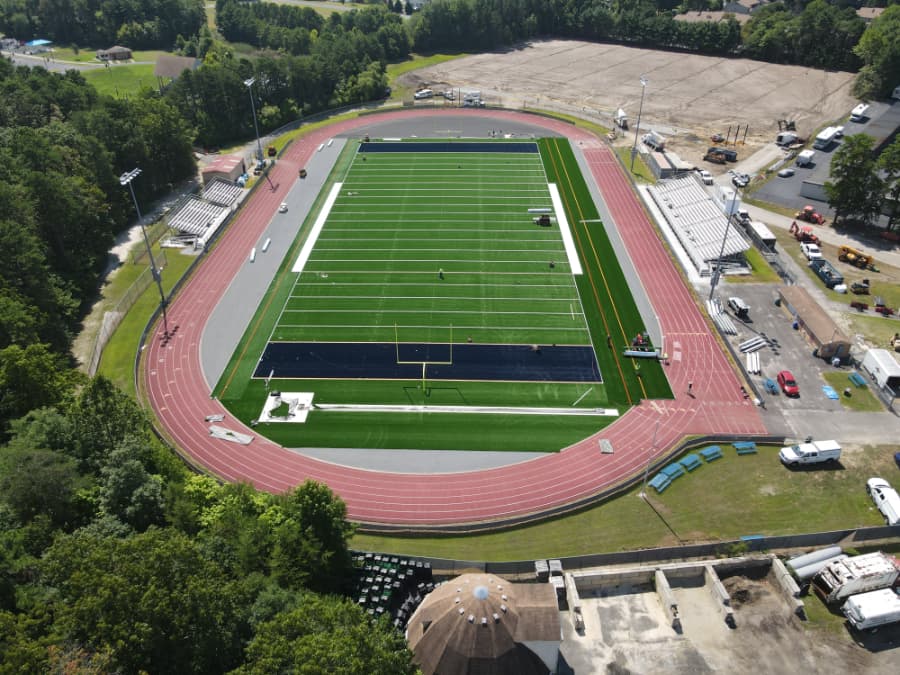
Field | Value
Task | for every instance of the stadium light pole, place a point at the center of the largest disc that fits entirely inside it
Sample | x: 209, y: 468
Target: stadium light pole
x: 637, y: 129
x: 125, y: 179
x: 717, y: 273
x: 249, y: 83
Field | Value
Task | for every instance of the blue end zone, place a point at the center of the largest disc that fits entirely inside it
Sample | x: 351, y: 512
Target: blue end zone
x: 378, y: 361
x: 445, y: 146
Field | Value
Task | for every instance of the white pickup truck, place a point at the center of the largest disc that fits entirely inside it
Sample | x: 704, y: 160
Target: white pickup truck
x: 811, y: 251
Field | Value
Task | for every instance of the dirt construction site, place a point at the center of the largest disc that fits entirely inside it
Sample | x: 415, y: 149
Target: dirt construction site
x: 688, y: 98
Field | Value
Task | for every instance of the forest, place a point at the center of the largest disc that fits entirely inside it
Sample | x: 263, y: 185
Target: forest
x: 114, y: 557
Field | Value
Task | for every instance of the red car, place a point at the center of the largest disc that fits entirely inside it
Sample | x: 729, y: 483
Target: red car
x: 787, y: 383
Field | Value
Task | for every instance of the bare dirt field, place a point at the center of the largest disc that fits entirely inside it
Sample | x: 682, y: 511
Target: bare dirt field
x: 688, y: 97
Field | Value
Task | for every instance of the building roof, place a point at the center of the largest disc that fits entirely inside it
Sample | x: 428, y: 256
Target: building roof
x: 117, y: 49
x: 869, y: 13
x: 715, y: 17
x: 173, y: 66
x: 697, y: 220
x: 480, y: 623
x: 223, y: 164
x: 821, y: 327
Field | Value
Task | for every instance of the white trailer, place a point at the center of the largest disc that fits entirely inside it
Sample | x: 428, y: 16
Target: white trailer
x: 805, y: 157
x: 870, y: 610
x: 883, y: 368
x: 851, y: 576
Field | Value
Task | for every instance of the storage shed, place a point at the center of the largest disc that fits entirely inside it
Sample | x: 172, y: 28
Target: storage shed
x: 825, y: 334
x: 116, y: 53
x: 226, y: 167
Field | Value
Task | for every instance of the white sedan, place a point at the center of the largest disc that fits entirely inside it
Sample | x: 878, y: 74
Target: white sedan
x: 282, y: 208
x: 786, y: 173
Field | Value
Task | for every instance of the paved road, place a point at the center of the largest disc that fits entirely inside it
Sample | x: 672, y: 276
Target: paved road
x: 47, y: 61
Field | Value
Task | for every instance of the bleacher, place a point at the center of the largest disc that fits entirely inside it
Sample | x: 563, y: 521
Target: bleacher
x: 222, y: 192
x: 690, y: 462
x: 194, y: 216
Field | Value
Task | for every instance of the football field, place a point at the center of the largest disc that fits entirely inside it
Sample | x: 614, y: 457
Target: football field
x: 446, y: 276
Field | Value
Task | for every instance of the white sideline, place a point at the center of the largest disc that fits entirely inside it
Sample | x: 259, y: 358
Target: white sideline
x: 568, y: 243
x: 316, y: 229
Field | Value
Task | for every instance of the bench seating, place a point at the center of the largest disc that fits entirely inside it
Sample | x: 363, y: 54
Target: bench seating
x: 660, y: 482
x: 711, y: 453
x: 857, y: 379
x: 690, y: 462
x: 745, y: 447
x: 673, y: 470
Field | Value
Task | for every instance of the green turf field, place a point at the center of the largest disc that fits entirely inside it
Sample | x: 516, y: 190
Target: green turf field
x: 439, y: 246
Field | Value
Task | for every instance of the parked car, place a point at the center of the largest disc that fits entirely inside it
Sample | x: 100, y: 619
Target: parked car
x: 787, y: 383
x: 282, y: 208
x: 740, y: 180
x: 886, y: 499
x: 811, y: 251
x: 423, y: 93
x: 706, y: 177
x: 786, y: 173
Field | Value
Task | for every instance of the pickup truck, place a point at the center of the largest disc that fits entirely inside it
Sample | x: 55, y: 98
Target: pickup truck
x: 811, y: 251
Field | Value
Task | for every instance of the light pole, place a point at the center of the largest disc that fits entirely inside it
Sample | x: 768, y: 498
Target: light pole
x: 714, y: 281
x: 125, y: 179
x: 249, y: 84
x: 649, y: 459
x: 637, y: 129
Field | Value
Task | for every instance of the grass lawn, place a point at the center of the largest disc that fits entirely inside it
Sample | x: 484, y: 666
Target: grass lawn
x: 762, y: 271
x: 731, y: 497
x: 861, y: 398
x: 641, y: 171
x: 117, y: 363
x: 122, y: 79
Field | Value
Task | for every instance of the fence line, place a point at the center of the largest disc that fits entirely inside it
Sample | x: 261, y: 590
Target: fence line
x: 113, y: 317
x: 154, y: 232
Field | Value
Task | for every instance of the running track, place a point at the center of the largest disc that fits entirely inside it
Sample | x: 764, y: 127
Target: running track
x: 173, y: 380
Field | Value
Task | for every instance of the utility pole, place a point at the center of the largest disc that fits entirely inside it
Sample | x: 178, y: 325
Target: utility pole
x: 637, y: 129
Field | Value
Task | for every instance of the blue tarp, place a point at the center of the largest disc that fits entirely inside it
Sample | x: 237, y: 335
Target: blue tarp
x: 38, y: 43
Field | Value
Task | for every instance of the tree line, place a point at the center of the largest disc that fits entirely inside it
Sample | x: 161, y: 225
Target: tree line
x: 115, y: 558
x: 862, y: 184
x: 141, y: 24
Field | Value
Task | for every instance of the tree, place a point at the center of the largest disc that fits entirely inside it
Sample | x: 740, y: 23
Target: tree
x: 151, y: 600
x: 31, y: 377
x: 35, y: 482
x: 327, y: 636
x: 855, y: 189
x: 889, y: 163
x: 129, y: 493
x: 879, y: 49
x: 311, y: 544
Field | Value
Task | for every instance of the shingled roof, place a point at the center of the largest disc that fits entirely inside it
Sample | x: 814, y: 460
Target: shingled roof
x: 480, y: 623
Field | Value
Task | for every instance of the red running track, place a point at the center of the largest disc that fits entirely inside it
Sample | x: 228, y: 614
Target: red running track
x: 179, y: 394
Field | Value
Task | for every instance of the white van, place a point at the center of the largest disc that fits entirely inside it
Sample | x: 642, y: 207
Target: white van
x: 423, y: 93
x: 867, y: 611
x: 859, y: 113
x: 886, y: 499
x: 814, y: 452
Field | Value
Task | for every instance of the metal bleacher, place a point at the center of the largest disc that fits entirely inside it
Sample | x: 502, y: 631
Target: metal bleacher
x: 194, y: 216
x: 222, y: 192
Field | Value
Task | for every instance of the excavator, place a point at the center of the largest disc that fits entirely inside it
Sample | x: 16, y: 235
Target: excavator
x: 850, y: 255
x: 803, y: 234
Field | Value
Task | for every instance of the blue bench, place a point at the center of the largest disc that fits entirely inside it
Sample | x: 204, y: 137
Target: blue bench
x: 711, y: 453
x: 690, y: 462
x: 673, y: 470
x: 660, y: 482
x: 745, y: 447
x: 857, y: 379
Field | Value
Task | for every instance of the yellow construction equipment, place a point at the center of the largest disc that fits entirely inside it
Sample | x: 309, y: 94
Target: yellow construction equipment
x: 848, y: 254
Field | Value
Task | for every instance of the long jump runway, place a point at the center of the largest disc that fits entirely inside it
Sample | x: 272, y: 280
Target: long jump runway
x: 177, y: 390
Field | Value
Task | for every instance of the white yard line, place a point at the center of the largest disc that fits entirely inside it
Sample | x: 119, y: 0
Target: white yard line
x: 487, y: 410
x: 568, y: 242
x: 316, y: 229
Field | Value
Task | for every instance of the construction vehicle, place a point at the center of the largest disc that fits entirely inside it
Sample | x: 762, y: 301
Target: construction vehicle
x: 860, y: 287
x: 810, y: 215
x: 803, y: 234
x: 848, y: 254
x: 715, y: 156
